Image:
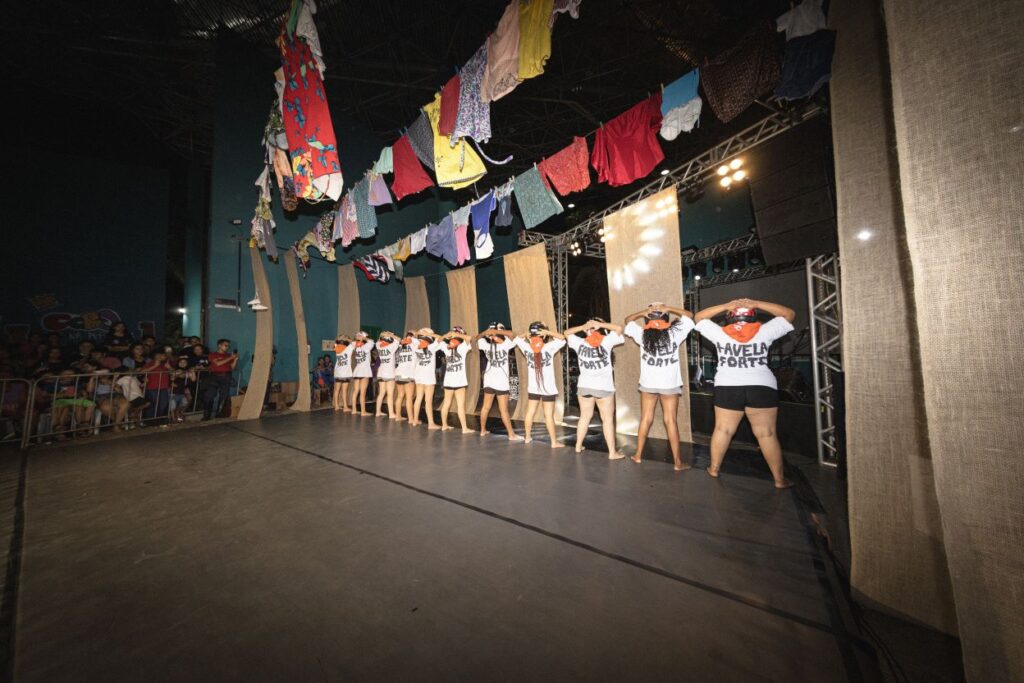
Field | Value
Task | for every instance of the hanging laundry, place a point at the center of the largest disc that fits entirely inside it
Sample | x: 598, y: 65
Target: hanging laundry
x: 349, y: 221
x: 262, y: 227
x: 449, y: 106
x: 502, y: 74
x: 534, y: 37
x: 410, y: 177
x: 385, y: 256
x: 626, y: 148
x: 403, y: 248
x: 536, y: 202
x: 480, y: 212
x: 339, y: 221
x: 385, y: 162
x: 744, y: 72
x: 681, y: 119
x: 474, y: 117
x: 418, y: 241
x: 305, y: 28
x: 307, y: 123
x: 324, y: 235
x: 572, y: 7
x: 441, y: 240
x: 803, y: 20
x: 503, y: 197
x: 378, y: 190
x: 373, y: 268
x: 807, y: 65
x: 680, y: 105
x: 460, y: 219
x: 455, y: 166
x: 421, y: 137
x: 275, y: 140
x: 567, y: 168
x: 365, y: 215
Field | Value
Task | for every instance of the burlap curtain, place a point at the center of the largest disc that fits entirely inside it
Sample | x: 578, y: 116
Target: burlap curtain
x: 463, y: 311
x: 348, y: 300
x: 417, y: 306
x: 528, y: 281
x: 961, y: 165
x: 644, y: 265
x: 252, y: 401
x: 898, y: 559
x: 302, y: 401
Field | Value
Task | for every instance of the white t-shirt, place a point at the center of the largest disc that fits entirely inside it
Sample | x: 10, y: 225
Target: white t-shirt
x: 595, y: 361
x: 426, y: 363
x: 742, y: 364
x: 387, y: 354
x: 455, y: 369
x: 496, y: 374
x: 661, y: 369
x: 130, y: 387
x: 362, y: 360
x: 547, y: 357
x: 405, y: 362
x: 343, y: 364
x: 803, y: 20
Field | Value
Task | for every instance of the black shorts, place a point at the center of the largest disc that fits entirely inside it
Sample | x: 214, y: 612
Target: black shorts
x: 750, y: 396
x: 541, y: 397
x: 138, y: 402
x: 496, y: 392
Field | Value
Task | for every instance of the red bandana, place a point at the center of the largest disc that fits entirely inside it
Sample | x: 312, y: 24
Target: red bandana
x: 594, y: 338
x: 537, y: 344
x: 656, y: 324
x: 742, y: 332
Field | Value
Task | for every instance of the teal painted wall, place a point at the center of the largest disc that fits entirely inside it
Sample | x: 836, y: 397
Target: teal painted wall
x: 717, y: 216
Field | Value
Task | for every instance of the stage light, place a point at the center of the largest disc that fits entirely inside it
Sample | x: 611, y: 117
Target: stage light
x: 723, y: 169
x: 183, y: 311
x: 739, y: 175
x: 571, y: 205
x: 864, y: 235
x: 600, y: 231
x: 602, y: 238
x: 725, y: 182
x: 664, y: 171
x: 718, y: 265
x: 735, y: 163
x: 697, y: 278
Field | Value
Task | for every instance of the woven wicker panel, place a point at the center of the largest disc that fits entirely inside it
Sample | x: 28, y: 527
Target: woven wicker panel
x: 417, y: 306
x: 348, y: 300
x: 303, y: 400
x: 462, y: 307
x: 252, y: 401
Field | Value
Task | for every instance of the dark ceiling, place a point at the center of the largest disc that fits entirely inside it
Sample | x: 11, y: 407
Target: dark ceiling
x: 153, y: 60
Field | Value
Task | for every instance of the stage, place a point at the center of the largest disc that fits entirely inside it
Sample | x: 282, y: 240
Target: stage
x: 331, y: 547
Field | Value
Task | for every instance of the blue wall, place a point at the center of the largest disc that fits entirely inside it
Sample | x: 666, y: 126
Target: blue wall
x: 97, y: 241
x: 717, y: 216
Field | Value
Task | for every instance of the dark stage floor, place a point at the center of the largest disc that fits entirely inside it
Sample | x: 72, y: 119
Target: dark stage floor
x: 330, y: 547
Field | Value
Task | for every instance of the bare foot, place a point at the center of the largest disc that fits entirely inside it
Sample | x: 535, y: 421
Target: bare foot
x: 528, y: 439
x: 378, y: 414
x: 712, y: 473
x: 394, y: 417
x: 432, y: 427
x: 680, y: 466
x: 366, y: 413
x: 556, y: 444
x: 636, y: 458
x: 415, y: 423
x: 784, y: 484
x: 579, y: 449
x: 618, y: 455
x: 445, y: 428
x: 514, y: 437
x: 484, y: 432
x: 467, y: 431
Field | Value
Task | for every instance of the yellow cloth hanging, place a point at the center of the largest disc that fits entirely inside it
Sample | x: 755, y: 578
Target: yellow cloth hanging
x: 457, y: 166
x: 534, y: 37
x: 403, y: 249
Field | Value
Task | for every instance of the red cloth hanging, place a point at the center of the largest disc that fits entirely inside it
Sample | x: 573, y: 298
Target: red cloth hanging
x: 410, y: 177
x: 626, y: 148
x: 567, y: 169
x: 449, y: 106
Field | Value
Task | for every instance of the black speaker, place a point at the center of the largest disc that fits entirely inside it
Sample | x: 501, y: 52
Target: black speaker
x: 792, y: 193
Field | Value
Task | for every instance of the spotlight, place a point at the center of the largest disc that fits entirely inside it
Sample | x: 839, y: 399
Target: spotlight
x: 570, y: 205
x: 725, y: 182
x: 602, y: 238
x: 723, y: 169
x: 718, y: 265
x: 697, y: 278
x: 183, y: 311
x: 739, y: 175
x: 664, y: 171
x: 864, y: 235
x: 735, y: 163
x: 600, y: 231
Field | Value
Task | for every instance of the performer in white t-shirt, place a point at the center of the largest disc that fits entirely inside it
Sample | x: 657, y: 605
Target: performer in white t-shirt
x: 496, y: 343
x: 343, y: 349
x: 593, y: 342
x: 405, y: 375
x: 427, y: 345
x: 539, y: 346
x: 661, y: 381
x: 362, y: 371
x: 456, y: 356
x: 386, y: 346
x: 744, y: 384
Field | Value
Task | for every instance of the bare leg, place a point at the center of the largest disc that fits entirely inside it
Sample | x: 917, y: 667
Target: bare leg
x: 726, y: 422
x: 446, y: 405
x: 389, y: 389
x: 484, y: 410
x: 505, y: 419
x: 460, y: 409
x: 587, y: 404
x: 414, y: 416
x: 549, y: 421
x: 647, y: 404
x: 669, y: 405
x: 428, y: 401
x: 762, y: 422
x: 336, y: 401
x: 410, y: 394
x: 531, y: 407
x: 606, y: 406
x: 364, y: 382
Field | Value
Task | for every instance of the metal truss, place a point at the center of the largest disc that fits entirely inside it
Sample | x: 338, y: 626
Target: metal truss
x: 824, y: 302
x: 751, y: 273
x: 732, y: 246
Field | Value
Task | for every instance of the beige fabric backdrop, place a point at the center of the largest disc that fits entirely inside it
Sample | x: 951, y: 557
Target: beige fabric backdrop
x: 644, y: 265
x: 957, y: 92
x: 252, y: 401
x: 417, y: 306
x: 348, y: 300
x: 898, y: 559
x: 302, y: 401
x: 528, y: 281
x: 463, y: 311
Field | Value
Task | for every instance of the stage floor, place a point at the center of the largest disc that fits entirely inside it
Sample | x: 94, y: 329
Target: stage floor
x: 330, y: 547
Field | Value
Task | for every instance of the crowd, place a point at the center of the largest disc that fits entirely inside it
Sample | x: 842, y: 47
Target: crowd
x: 121, y: 382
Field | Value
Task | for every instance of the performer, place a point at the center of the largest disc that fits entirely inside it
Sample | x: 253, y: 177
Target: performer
x: 343, y: 349
x: 405, y: 368
x: 593, y: 342
x: 660, y: 379
x: 387, y: 345
x: 457, y: 349
x: 497, y: 343
x: 744, y: 384
x: 539, y: 346
x: 426, y: 367
x: 361, y: 372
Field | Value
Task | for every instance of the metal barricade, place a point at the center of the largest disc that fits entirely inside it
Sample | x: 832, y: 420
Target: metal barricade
x: 14, y: 394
